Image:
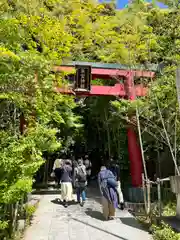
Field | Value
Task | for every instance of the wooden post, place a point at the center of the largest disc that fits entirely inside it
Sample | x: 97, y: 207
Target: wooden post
x: 144, y: 192
x: 159, y: 197
x: 178, y: 85
x: 148, y: 197
x: 178, y: 206
x: 15, y: 216
x: 175, y: 187
x: 22, y: 123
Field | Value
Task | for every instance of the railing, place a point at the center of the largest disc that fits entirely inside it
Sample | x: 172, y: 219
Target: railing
x: 151, y: 197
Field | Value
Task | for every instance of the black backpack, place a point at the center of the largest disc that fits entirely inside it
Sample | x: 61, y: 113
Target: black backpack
x: 65, y: 171
x: 81, y: 175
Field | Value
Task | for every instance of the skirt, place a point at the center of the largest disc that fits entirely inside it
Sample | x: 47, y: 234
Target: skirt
x: 66, y: 191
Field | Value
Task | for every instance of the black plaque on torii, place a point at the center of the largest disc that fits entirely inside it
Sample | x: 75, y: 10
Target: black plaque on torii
x: 83, y: 78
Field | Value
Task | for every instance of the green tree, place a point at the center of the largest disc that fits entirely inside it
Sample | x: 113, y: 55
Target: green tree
x: 28, y: 50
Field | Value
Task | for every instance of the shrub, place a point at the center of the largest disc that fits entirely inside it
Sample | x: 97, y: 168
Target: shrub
x: 164, y: 232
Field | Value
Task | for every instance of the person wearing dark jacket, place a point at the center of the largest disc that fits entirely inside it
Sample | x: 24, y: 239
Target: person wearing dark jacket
x: 88, y: 165
x: 115, y: 169
x: 66, y: 183
x: 80, y: 182
x: 74, y: 165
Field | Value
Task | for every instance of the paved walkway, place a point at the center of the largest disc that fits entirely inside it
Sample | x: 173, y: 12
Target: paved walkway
x: 54, y: 222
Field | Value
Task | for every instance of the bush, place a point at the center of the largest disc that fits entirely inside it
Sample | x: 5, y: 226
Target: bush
x: 164, y: 232
x: 30, y: 210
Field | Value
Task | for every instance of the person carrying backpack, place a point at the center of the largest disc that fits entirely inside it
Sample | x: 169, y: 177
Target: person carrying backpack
x: 66, y: 183
x: 80, y: 182
x: 74, y: 165
x: 107, y: 186
x: 88, y: 166
x: 115, y: 169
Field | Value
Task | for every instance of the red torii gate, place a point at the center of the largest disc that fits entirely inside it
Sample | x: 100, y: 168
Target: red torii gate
x: 123, y: 90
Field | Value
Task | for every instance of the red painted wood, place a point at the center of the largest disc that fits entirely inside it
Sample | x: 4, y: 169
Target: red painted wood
x: 116, y: 90
x: 135, y: 158
x: 134, y: 150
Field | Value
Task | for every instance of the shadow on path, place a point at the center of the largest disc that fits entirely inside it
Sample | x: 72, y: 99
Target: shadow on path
x: 173, y: 221
x: 102, y: 230
x: 132, y: 222
x: 59, y: 202
x: 94, y: 214
x: 93, y: 193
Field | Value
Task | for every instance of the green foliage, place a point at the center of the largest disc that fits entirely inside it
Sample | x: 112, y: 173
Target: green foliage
x: 27, y: 88
x: 164, y: 232
x: 35, y: 36
x: 104, y: 131
x: 3, y: 225
x: 169, y: 209
x: 29, y: 210
x: 157, y: 39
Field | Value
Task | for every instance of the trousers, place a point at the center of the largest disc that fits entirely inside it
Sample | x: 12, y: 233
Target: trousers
x: 119, y: 192
x: 81, y: 194
x: 66, y: 191
x: 108, y: 208
x: 57, y: 172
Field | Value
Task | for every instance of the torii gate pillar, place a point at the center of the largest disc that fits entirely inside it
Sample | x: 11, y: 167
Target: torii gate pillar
x: 134, y: 150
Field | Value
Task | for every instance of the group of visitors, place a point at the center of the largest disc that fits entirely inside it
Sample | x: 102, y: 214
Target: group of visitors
x: 72, y: 173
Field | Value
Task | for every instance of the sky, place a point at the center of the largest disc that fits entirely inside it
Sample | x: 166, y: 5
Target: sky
x: 122, y: 3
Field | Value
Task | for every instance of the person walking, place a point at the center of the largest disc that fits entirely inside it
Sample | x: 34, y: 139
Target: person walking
x: 74, y: 163
x: 74, y: 166
x: 115, y: 169
x: 88, y: 166
x: 80, y: 182
x: 66, y: 183
x: 107, y: 185
x: 56, y: 171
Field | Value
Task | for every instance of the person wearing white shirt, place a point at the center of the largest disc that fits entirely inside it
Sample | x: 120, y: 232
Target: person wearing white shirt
x: 57, y: 170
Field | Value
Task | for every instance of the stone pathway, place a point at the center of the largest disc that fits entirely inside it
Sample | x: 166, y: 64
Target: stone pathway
x: 54, y: 222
